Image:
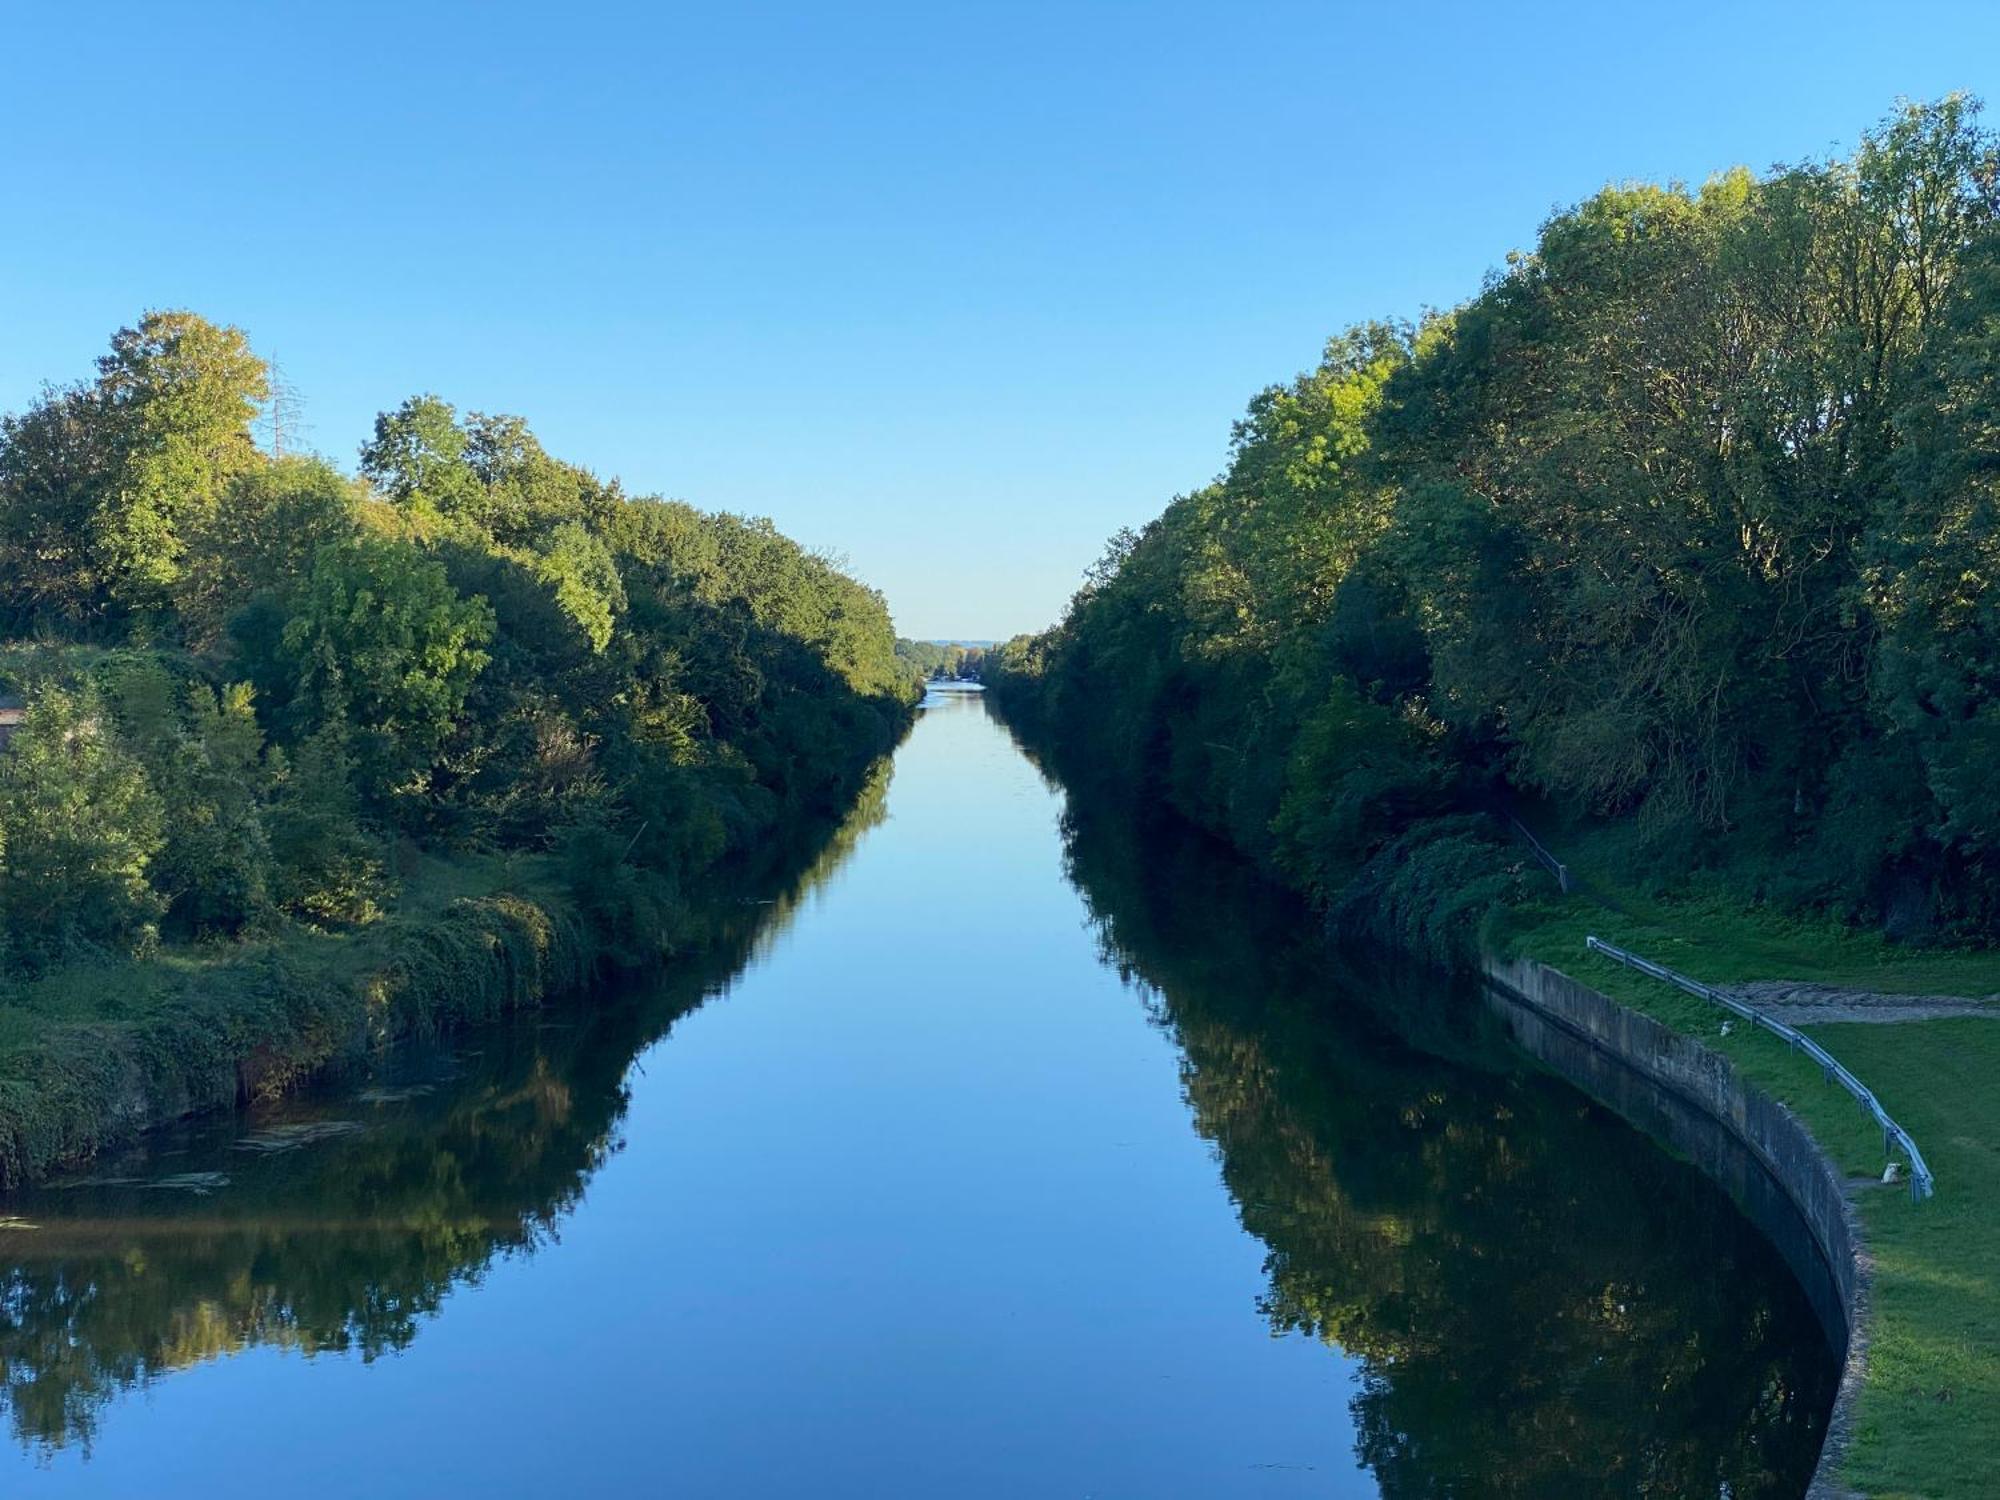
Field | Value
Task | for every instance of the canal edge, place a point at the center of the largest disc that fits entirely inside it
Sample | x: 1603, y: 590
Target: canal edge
x: 1703, y: 1080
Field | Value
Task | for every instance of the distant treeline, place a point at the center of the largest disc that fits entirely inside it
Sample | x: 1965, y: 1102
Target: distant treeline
x: 938, y: 661
x: 1685, y: 526
x: 255, y: 688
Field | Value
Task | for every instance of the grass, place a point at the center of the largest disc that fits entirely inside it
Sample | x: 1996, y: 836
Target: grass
x: 1720, y: 936
x: 91, y: 1052
x: 91, y: 1049
x: 1928, y: 1420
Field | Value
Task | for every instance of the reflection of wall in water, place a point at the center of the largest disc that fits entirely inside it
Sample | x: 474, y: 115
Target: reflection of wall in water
x: 1692, y: 1098
x: 1791, y: 1194
x: 1543, y: 1302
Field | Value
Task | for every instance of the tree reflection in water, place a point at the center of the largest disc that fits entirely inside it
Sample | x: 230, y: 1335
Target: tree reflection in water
x: 1542, y: 1301
x: 343, y: 1239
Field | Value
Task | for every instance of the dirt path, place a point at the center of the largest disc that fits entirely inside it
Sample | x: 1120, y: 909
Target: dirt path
x: 1817, y: 1004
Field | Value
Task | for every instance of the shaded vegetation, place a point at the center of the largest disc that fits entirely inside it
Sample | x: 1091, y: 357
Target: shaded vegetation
x: 362, y: 1207
x: 274, y: 715
x: 1685, y: 523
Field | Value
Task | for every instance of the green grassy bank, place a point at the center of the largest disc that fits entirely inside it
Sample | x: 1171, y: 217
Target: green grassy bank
x: 93, y: 1052
x: 1930, y: 1404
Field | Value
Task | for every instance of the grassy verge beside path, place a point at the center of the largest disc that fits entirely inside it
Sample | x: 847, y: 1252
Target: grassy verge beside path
x: 1928, y: 1422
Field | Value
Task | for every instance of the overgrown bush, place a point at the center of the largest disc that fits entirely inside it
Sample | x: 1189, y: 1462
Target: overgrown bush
x: 80, y: 828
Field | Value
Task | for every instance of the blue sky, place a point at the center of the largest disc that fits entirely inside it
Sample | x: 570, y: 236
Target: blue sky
x: 953, y: 289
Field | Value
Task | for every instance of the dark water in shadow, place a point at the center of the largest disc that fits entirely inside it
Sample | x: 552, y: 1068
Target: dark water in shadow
x: 895, y: 1194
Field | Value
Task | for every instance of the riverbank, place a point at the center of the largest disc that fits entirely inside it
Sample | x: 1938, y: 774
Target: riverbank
x: 1931, y: 1390
x: 1694, y: 1100
x: 1932, y: 1381
x: 93, y: 1053
x: 1440, y: 1265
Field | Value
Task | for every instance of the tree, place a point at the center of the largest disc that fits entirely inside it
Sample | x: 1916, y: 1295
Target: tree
x: 56, y: 463
x: 377, y: 633
x: 326, y: 868
x: 1934, y: 585
x: 79, y: 830
x: 178, y: 395
x: 418, y: 459
x: 264, y: 536
x: 488, y: 472
x: 202, y: 750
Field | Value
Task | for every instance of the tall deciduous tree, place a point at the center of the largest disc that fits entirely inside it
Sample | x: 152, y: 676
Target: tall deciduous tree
x: 178, y: 395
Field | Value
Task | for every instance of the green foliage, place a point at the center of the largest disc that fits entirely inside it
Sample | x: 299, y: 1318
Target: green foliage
x: 377, y: 632
x: 1360, y: 772
x: 270, y: 527
x: 55, y: 464
x: 104, y: 487
x: 418, y: 459
x: 580, y: 571
x: 485, y: 474
x: 252, y: 679
x: 326, y: 869
x: 203, y: 752
x: 178, y: 395
x: 1437, y: 890
x: 1685, y: 519
x: 79, y: 830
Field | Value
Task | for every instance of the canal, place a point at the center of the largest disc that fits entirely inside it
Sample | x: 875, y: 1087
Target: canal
x: 1010, y: 1150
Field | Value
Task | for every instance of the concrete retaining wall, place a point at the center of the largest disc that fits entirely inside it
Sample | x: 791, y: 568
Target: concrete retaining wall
x: 1692, y: 1098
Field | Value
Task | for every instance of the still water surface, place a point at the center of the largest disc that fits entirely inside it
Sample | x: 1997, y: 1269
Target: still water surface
x: 1006, y: 1154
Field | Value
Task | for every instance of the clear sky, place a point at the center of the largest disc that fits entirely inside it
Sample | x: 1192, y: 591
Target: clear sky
x: 953, y: 289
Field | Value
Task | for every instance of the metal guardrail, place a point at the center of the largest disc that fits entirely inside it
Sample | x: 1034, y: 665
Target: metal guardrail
x: 1893, y: 1135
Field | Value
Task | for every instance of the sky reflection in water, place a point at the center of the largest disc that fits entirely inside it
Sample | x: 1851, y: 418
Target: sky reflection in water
x: 912, y: 1206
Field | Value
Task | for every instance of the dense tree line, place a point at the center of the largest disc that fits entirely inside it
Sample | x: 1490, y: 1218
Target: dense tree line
x: 253, y: 685
x: 1686, y: 524
x: 941, y: 661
